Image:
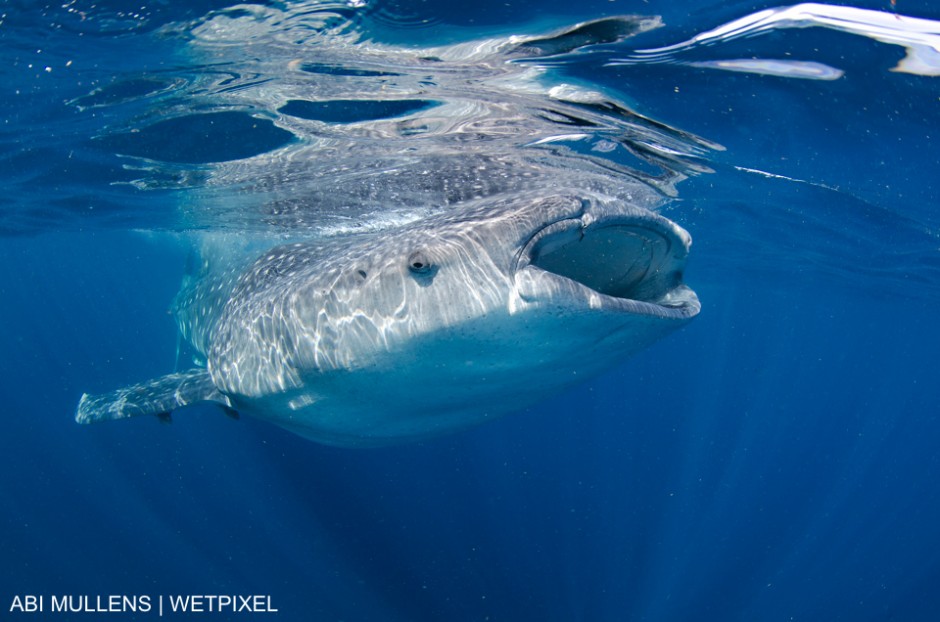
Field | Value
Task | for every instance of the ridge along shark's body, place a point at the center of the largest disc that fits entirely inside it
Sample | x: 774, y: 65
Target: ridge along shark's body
x: 523, y: 266
x: 439, y: 326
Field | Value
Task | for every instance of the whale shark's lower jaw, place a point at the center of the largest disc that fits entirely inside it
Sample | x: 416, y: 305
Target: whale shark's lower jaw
x: 629, y: 263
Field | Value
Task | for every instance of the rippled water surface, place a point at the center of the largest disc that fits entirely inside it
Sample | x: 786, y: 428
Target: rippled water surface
x: 774, y: 460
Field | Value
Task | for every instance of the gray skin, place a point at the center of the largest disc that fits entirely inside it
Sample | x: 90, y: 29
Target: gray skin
x: 431, y: 328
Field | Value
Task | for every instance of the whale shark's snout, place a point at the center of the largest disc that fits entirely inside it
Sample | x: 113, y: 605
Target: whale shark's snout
x: 630, y: 261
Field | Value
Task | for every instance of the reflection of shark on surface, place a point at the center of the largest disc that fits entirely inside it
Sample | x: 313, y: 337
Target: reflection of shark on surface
x: 544, y: 269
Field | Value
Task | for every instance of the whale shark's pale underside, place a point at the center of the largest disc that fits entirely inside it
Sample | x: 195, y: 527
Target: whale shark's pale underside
x: 514, y: 266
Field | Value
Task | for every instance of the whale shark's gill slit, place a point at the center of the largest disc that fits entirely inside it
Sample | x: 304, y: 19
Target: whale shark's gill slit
x: 622, y: 261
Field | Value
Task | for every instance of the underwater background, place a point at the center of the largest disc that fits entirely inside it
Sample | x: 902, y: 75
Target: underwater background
x: 776, y: 459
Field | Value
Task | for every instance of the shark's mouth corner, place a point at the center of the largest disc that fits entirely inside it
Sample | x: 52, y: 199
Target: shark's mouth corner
x: 626, y: 263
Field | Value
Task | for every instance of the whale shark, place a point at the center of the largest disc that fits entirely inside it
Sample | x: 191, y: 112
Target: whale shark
x: 442, y: 325
x: 448, y: 239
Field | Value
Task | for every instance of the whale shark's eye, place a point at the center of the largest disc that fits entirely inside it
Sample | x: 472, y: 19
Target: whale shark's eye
x: 418, y: 263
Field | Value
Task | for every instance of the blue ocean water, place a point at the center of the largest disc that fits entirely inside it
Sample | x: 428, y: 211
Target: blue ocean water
x: 777, y: 459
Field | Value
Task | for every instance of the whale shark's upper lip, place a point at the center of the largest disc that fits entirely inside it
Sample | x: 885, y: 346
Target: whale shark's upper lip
x: 627, y: 262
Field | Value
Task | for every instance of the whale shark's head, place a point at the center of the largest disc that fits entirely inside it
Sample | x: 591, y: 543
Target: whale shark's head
x: 451, y: 319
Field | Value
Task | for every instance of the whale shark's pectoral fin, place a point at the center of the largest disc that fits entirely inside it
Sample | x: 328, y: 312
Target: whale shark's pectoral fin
x: 159, y: 397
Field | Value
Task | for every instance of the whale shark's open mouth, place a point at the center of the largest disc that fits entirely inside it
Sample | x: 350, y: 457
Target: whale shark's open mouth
x: 633, y: 263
